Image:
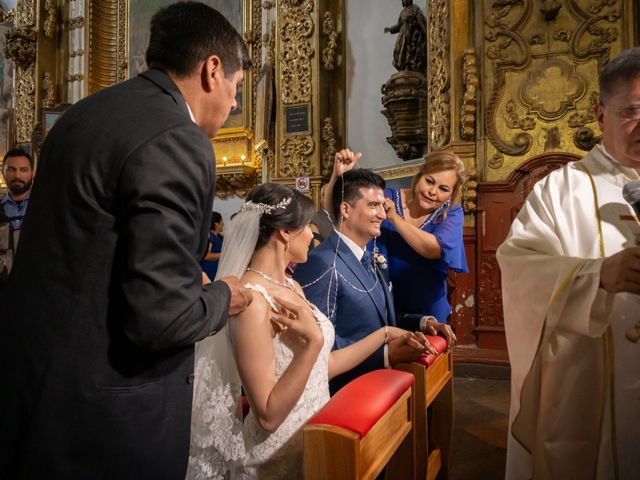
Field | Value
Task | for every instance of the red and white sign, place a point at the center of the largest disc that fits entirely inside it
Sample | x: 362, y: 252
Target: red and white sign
x: 303, y: 184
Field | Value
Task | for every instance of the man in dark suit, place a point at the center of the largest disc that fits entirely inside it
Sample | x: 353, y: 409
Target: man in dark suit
x: 356, y: 295
x: 105, y: 300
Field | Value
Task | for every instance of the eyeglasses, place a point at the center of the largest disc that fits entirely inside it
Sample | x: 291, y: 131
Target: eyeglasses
x: 628, y: 112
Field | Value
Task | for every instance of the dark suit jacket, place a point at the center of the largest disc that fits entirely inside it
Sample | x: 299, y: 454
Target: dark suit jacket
x: 105, y: 302
x: 354, y: 314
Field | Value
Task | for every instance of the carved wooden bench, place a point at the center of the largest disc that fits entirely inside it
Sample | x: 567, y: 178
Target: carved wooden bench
x: 433, y: 411
x: 364, y: 427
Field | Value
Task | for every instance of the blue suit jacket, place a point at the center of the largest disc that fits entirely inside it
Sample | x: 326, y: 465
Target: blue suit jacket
x: 353, y: 312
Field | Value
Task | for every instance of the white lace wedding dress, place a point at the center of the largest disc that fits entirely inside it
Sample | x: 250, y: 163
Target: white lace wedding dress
x: 278, y: 455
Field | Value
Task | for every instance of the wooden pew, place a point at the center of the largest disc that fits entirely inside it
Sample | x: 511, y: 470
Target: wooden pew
x: 431, y: 433
x: 364, y: 427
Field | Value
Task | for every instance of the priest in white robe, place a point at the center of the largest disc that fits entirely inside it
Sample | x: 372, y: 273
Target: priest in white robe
x: 570, y: 284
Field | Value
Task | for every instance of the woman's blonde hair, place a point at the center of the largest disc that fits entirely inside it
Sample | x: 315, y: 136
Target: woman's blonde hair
x: 441, y: 161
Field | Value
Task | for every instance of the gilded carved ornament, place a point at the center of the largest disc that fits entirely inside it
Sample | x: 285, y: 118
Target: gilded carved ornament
x: 48, y: 91
x: 76, y: 22
x: 294, y: 156
x: 470, y: 192
x: 296, y: 51
x: 439, y: 77
x: 25, y: 103
x: 329, y: 151
x: 496, y: 161
x: 513, y: 120
x: 552, y: 139
x: 561, y: 51
x: 470, y: 83
x: 550, y: 9
x: 508, y: 52
x: 552, y: 89
x: 25, y: 13
x: 50, y: 18
x: 20, y: 46
x: 329, y: 31
x: 7, y: 16
x: 236, y: 181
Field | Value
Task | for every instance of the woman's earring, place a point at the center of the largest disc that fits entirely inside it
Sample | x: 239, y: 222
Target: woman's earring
x: 286, y: 246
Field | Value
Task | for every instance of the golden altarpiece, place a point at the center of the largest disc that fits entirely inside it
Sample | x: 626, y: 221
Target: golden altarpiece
x: 511, y: 88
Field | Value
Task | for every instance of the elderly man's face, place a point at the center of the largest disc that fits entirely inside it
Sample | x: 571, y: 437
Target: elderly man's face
x: 619, y: 120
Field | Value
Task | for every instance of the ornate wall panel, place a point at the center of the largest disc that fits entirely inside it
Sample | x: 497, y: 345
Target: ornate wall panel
x: 540, y: 68
x: 21, y: 48
x: 309, y: 89
x: 438, y: 74
x: 295, y: 74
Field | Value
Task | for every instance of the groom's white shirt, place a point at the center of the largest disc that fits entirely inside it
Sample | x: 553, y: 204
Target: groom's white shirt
x: 357, y: 251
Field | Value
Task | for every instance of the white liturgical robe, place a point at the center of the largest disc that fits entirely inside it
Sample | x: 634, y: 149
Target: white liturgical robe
x: 575, y: 378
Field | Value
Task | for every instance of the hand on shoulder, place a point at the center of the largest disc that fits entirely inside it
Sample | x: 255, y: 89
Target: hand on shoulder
x: 241, y: 297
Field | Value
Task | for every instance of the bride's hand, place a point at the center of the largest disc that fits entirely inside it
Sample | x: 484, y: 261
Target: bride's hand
x: 298, y: 316
x: 395, y: 332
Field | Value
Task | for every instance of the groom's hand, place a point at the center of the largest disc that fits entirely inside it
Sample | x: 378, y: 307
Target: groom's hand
x: 241, y: 297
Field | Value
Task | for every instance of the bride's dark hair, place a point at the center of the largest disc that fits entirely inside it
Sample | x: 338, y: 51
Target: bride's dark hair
x: 295, y: 215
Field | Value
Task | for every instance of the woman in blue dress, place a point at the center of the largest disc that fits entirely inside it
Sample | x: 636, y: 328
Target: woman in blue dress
x: 422, y: 236
x: 209, y: 263
x: 421, y: 239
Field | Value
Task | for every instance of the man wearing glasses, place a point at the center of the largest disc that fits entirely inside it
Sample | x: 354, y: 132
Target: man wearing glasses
x: 570, y: 284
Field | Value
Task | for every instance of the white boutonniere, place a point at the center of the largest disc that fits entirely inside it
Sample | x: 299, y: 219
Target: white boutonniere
x: 380, y: 260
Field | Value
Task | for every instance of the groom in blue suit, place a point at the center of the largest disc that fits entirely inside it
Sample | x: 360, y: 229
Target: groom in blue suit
x: 356, y: 295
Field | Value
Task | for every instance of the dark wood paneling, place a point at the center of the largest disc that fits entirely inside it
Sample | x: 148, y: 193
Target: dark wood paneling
x: 480, y: 329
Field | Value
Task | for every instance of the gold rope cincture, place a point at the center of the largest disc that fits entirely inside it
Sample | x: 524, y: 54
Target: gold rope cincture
x: 607, y: 339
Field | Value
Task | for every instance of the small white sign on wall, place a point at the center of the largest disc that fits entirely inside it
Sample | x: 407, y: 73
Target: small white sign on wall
x: 303, y: 184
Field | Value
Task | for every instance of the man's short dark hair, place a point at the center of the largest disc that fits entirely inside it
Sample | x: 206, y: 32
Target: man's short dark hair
x: 185, y: 33
x: 15, y: 152
x: 347, y: 187
x: 625, y: 66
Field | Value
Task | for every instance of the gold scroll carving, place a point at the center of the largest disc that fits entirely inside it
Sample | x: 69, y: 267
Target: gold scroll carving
x: 540, y: 77
x: 439, y: 80
x: 20, y: 47
x: 329, y: 151
x: 329, y: 31
x: 296, y: 29
x: 50, y: 19
x: 296, y: 51
x: 470, y: 81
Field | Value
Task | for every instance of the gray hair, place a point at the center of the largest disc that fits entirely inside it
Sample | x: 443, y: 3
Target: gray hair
x: 624, y: 67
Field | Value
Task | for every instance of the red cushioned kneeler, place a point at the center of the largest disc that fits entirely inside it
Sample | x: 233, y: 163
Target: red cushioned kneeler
x: 363, y: 426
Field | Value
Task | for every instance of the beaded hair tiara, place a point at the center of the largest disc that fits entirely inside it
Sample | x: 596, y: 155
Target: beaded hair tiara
x: 265, y: 208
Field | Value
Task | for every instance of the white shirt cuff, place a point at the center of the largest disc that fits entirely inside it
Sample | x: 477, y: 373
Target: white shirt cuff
x: 386, y: 356
x: 423, y: 322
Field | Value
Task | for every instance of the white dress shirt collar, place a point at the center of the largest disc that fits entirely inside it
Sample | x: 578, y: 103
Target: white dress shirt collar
x: 357, y: 251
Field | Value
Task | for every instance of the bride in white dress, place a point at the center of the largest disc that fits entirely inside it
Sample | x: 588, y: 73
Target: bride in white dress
x: 281, y: 345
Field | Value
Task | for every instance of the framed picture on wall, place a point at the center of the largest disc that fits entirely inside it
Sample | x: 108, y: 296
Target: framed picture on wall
x: 264, y: 102
x: 140, y: 13
x: 48, y: 118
